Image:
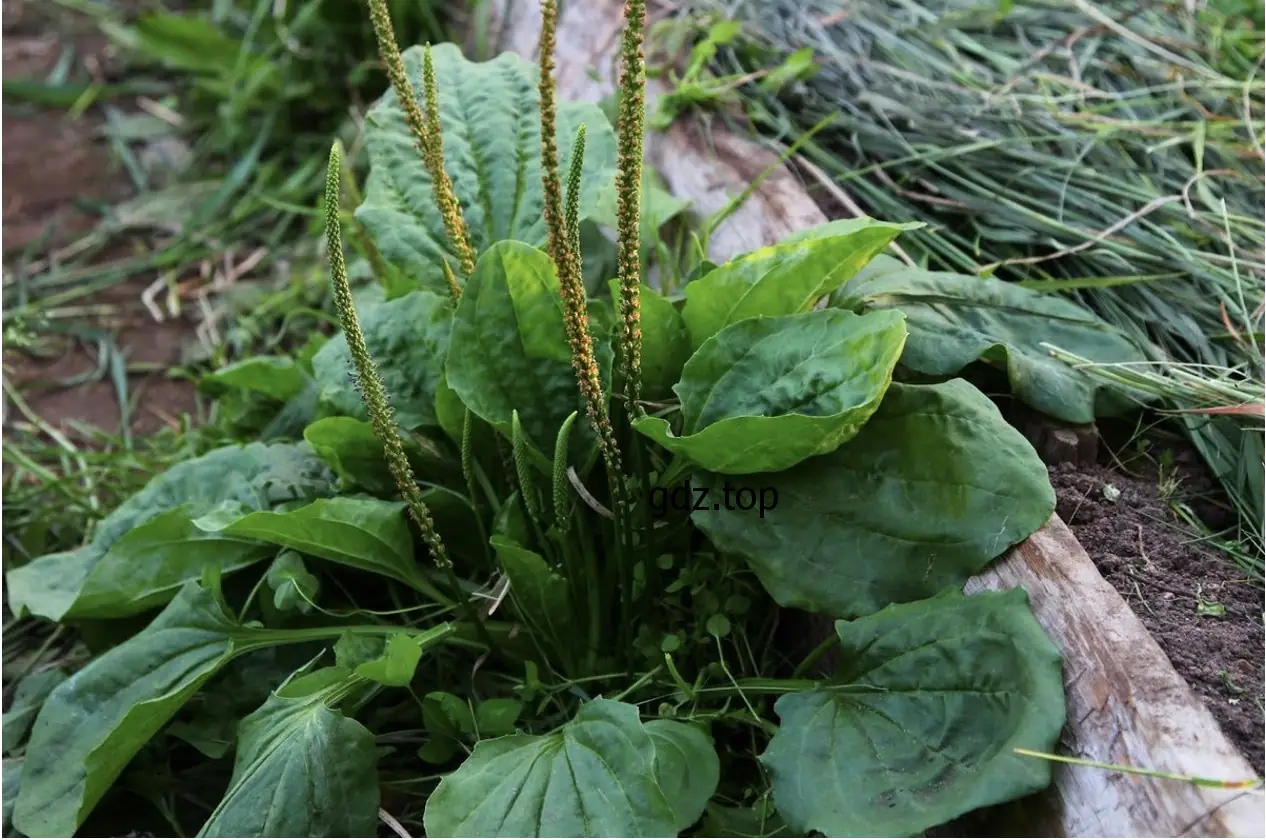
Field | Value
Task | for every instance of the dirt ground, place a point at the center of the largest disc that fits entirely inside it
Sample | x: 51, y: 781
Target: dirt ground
x: 1205, y: 616
x: 52, y: 164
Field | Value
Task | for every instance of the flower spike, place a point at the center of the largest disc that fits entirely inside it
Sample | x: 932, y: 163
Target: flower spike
x: 630, y: 129
x: 565, y: 251
x: 557, y: 235
x: 373, y: 392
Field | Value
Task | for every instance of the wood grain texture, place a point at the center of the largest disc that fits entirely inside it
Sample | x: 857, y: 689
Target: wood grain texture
x: 1126, y: 703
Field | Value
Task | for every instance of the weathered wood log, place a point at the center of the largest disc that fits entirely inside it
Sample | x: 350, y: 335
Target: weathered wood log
x: 1126, y: 703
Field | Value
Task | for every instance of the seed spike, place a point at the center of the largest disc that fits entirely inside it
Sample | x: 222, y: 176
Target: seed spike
x: 561, y: 493
x: 426, y: 134
x: 523, y: 469
x: 373, y: 392
x: 565, y: 251
x: 454, y: 288
x: 574, y: 178
x: 557, y: 242
x: 630, y: 130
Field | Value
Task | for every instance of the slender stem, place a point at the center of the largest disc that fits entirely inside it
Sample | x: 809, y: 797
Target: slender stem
x: 641, y: 681
x: 468, y: 472
x: 761, y: 685
x: 816, y: 654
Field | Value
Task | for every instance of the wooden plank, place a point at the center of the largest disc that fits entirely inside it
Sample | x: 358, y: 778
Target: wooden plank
x: 1126, y: 703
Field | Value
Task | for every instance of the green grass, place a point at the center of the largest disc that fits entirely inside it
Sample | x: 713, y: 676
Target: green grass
x: 246, y: 96
x: 1111, y: 152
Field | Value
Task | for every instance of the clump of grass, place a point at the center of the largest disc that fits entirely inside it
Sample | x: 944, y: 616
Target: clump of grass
x: 1223, y: 415
x: 251, y: 91
x: 1108, y: 151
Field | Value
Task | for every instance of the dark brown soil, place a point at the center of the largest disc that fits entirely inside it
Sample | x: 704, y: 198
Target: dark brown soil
x: 53, y: 162
x: 1203, y: 613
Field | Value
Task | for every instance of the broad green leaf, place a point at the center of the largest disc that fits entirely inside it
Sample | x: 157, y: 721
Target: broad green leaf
x: 446, y: 714
x: 539, y: 593
x: 92, y: 725
x: 665, y: 342
x: 594, y: 777
x: 28, y: 697
x: 12, y: 786
x: 408, y: 339
x: 302, y: 769
x: 150, y: 564
x: 956, y: 319
x: 497, y: 716
x: 700, y: 271
x: 294, y: 587
x: 686, y: 767
x: 450, y: 412
x: 511, y: 522
x: 257, y: 476
x: 786, y: 278
x: 455, y: 521
x: 766, y: 393
x: 397, y: 664
x: 275, y: 377
x: 352, y: 451
x: 509, y: 347
x: 931, y: 700
x: 356, y: 456
x: 353, y: 649
x: 934, y: 487
x: 209, y: 721
x: 306, y: 682
x: 48, y: 585
x: 212, y: 732
x: 363, y: 533
x: 490, y: 119
x: 263, y: 397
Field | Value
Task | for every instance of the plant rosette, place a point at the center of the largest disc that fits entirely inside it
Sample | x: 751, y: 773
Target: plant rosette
x: 467, y: 520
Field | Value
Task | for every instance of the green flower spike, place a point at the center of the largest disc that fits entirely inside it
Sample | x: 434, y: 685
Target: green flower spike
x: 373, y: 392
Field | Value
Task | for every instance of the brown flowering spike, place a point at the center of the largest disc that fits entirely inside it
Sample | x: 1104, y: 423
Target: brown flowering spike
x: 446, y: 196
x: 630, y: 130
x: 373, y: 392
x: 576, y: 316
x: 425, y: 134
x: 454, y: 288
x: 549, y: 144
x: 565, y: 251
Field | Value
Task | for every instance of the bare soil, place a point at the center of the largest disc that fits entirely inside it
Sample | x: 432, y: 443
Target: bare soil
x: 1203, y: 613
x: 53, y: 164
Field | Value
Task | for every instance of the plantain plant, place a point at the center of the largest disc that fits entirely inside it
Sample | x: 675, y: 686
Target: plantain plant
x: 572, y: 541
